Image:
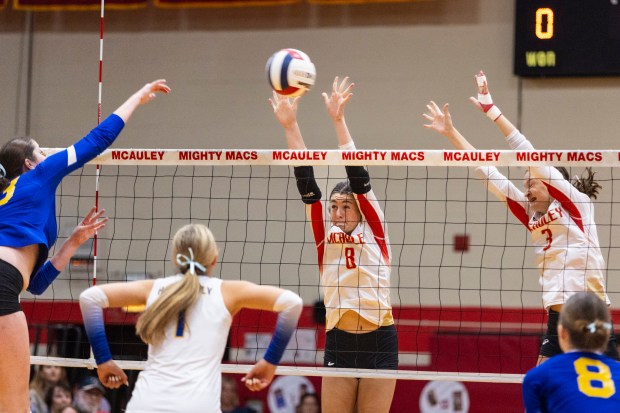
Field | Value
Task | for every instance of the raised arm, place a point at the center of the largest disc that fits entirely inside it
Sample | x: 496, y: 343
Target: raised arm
x: 52, y: 268
x: 286, y: 113
x: 485, y: 104
x: 440, y: 121
x: 335, y: 104
x: 62, y: 163
x: 559, y: 188
x: 358, y: 176
x: 143, y: 96
x: 288, y: 305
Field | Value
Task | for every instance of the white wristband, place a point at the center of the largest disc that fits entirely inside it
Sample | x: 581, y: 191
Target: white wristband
x: 494, y: 113
x: 349, y: 146
x: 485, y: 98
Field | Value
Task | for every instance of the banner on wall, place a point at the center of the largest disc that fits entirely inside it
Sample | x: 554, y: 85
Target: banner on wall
x: 76, y: 5
x: 85, y: 5
x: 335, y: 2
x: 180, y: 4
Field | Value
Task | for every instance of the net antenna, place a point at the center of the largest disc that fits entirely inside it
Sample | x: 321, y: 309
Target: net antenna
x: 98, y: 167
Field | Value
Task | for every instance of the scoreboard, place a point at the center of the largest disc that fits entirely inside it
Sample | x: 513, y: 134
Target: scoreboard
x: 567, y: 38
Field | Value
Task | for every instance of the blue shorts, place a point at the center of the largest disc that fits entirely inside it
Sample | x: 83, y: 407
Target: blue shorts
x: 11, y: 284
x: 377, y: 349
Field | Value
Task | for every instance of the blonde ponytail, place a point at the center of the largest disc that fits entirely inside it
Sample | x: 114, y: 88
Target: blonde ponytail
x: 180, y: 297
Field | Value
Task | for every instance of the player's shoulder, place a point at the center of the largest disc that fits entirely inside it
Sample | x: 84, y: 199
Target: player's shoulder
x: 550, y: 368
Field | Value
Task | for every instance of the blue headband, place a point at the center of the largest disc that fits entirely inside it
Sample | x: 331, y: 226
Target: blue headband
x: 183, y: 260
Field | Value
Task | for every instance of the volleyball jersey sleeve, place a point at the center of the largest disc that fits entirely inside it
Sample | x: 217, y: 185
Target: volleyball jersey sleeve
x: 505, y: 190
x: 531, y: 392
x: 572, y: 200
x: 314, y: 214
x: 289, y: 306
x: 39, y: 282
x: 57, y: 166
x: 92, y: 303
x: 373, y: 214
x: 311, y: 196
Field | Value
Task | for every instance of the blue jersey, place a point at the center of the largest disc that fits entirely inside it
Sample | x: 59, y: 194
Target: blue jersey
x: 28, y: 205
x: 574, y: 382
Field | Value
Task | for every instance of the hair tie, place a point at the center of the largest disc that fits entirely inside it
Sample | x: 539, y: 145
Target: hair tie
x: 183, y: 260
x: 592, y: 327
x: 2, y: 171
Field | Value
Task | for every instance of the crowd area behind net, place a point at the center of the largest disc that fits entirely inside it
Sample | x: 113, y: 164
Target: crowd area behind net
x: 463, y: 268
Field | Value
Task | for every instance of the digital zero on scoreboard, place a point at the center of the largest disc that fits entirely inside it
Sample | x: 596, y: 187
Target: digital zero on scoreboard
x: 567, y: 38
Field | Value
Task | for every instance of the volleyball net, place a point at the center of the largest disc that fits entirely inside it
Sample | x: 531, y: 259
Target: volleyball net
x: 464, y: 284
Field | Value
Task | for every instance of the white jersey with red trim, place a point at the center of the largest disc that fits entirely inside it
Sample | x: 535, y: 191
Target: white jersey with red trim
x: 565, y: 238
x: 355, y: 269
x: 183, y: 373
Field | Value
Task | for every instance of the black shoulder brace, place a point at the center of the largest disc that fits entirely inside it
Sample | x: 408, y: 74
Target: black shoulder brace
x: 306, y: 184
x: 359, y: 179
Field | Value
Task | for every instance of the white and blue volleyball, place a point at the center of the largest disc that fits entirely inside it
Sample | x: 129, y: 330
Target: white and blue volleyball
x: 290, y: 72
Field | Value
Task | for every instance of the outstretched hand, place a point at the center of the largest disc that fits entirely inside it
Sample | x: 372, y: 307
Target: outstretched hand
x: 284, y: 109
x: 148, y: 91
x: 111, y: 375
x: 341, y: 94
x: 260, y: 376
x: 440, y: 120
x: 88, y: 227
x: 484, y: 101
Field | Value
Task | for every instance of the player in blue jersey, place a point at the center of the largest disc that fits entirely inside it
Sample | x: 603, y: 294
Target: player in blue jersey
x: 28, y: 182
x: 582, y: 379
x: 186, y: 325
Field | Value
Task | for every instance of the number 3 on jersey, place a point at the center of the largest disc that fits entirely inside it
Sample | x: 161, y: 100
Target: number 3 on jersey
x: 349, y: 254
x: 594, y: 378
x: 8, y: 192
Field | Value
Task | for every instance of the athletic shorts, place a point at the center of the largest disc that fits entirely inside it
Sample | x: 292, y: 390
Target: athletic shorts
x: 550, y: 345
x: 375, y: 350
x: 11, y: 283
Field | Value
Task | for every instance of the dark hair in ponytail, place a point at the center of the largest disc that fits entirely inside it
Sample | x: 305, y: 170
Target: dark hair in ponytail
x: 584, y: 183
x: 13, y: 154
x: 586, y: 318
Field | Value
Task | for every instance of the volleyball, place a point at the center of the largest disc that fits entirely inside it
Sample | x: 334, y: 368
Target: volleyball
x: 290, y: 72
